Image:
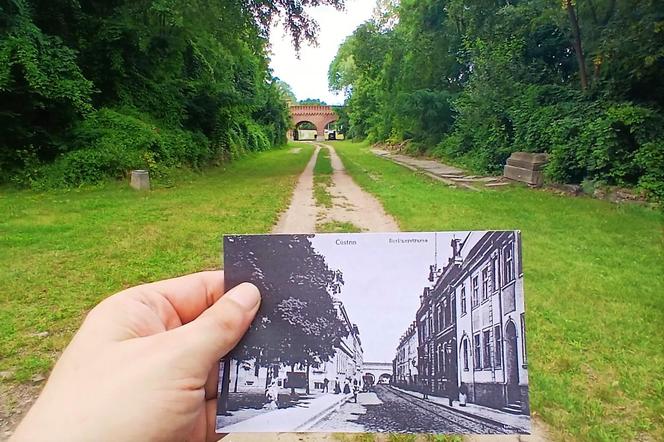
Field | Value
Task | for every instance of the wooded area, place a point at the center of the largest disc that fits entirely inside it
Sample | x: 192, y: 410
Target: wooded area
x: 471, y: 81
x: 93, y: 88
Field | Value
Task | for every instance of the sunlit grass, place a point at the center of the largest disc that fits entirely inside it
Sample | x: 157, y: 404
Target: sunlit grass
x: 323, y: 178
x: 594, y: 292
x: 61, y: 252
x: 337, y: 227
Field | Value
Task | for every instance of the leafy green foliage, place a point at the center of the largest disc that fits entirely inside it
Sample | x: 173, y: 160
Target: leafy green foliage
x: 109, y: 143
x: 107, y: 86
x: 313, y: 101
x: 473, y: 81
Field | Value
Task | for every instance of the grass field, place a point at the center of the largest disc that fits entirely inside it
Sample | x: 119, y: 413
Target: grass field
x: 323, y: 179
x: 61, y: 252
x: 337, y: 227
x: 594, y: 292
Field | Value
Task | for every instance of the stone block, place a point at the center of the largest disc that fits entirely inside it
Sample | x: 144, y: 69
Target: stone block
x: 528, y: 160
x: 140, y: 180
x: 532, y: 177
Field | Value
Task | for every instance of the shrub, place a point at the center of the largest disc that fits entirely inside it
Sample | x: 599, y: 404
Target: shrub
x: 111, y: 142
x: 617, y: 143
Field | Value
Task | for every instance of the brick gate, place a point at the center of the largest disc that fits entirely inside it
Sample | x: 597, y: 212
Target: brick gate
x: 319, y: 116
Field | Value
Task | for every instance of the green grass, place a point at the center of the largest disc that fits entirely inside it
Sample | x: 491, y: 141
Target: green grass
x: 594, y: 292
x: 61, y: 252
x: 337, y: 227
x: 323, y: 178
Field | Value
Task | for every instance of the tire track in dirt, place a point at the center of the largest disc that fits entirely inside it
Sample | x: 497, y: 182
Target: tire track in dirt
x: 352, y: 204
x: 301, y: 215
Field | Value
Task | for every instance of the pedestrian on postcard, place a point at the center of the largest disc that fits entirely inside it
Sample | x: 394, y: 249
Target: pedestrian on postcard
x: 326, y: 381
x: 272, y: 395
x: 425, y: 390
x: 356, y: 389
x: 337, y: 386
x: 463, y: 395
x: 451, y: 388
x: 346, y: 387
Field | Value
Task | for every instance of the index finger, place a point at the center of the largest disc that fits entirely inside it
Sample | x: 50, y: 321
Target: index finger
x: 191, y: 295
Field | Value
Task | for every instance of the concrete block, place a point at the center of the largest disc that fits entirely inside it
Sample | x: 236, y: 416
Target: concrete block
x: 528, y: 160
x: 532, y: 177
x: 140, y: 180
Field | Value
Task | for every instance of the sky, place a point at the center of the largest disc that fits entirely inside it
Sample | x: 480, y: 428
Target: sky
x: 383, y: 281
x: 307, y: 75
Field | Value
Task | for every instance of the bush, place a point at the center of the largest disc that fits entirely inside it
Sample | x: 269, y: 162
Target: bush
x: 617, y: 143
x: 650, y: 158
x: 110, y: 142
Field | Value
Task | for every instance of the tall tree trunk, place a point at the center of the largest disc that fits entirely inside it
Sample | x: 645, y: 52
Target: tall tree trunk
x: 308, y: 391
x: 574, y: 23
x: 237, y: 371
x: 222, y: 401
x: 268, y: 375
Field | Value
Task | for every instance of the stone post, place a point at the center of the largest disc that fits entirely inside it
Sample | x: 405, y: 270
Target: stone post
x: 526, y: 167
x: 140, y: 179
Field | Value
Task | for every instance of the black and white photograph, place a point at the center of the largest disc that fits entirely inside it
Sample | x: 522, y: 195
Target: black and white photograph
x: 420, y: 332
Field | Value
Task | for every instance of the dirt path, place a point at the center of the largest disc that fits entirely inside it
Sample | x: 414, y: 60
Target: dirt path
x: 350, y: 204
x: 300, y: 217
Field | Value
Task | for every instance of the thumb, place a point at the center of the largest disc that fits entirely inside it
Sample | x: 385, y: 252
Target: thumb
x: 218, y: 329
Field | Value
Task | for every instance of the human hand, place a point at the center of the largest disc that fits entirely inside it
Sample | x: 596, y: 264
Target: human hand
x: 143, y: 366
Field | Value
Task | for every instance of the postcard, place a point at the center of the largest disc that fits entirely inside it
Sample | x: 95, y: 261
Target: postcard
x: 418, y: 332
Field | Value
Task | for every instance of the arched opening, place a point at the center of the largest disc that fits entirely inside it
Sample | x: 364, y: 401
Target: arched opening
x: 511, y: 363
x: 332, y: 130
x: 384, y: 378
x: 305, y: 131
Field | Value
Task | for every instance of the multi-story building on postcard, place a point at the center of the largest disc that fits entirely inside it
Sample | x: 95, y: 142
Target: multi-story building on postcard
x: 405, y: 361
x: 345, y: 364
x: 471, y: 325
x: 490, y: 328
x: 436, y: 329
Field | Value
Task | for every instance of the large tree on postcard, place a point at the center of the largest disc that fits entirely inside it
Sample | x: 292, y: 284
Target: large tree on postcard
x: 297, y: 322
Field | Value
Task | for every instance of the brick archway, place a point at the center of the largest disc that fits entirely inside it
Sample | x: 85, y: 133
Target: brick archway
x: 319, y: 116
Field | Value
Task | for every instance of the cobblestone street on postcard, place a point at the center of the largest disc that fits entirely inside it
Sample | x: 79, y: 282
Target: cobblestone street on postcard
x: 388, y: 409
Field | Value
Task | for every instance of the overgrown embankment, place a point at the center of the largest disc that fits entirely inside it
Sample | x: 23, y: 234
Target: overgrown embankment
x: 91, y: 91
x: 472, y: 82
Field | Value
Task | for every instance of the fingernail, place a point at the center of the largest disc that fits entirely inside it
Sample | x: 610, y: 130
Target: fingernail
x: 246, y: 294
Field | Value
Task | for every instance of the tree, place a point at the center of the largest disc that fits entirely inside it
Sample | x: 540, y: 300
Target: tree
x: 474, y: 80
x: 189, y: 81
x: 294, y: 15
x: 578, y: 48
x: 285, y: 90
x: 297, y: 322
x: 313, y: 101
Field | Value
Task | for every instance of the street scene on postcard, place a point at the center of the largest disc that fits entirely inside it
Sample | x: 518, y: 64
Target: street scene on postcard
x: 389, y: 332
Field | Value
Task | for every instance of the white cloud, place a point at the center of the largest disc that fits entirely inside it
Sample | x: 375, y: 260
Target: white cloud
x: 308, y: 74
